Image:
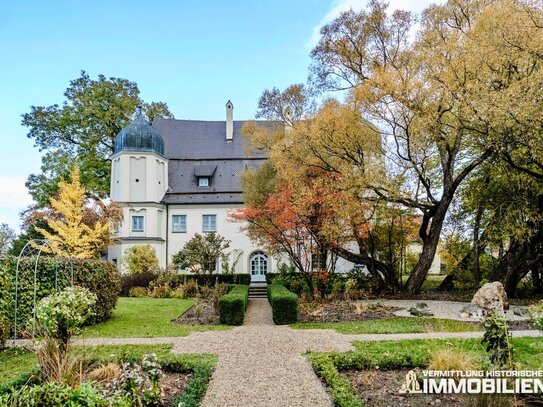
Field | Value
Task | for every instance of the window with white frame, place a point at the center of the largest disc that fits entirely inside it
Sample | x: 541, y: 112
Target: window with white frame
x: 209, y: 223
x: 179, y: 223
x: 137, y: 223
x: 203, y: 181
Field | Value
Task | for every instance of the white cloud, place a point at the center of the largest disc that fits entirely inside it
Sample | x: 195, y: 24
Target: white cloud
x: 14, y: 197
x: 339, y: 6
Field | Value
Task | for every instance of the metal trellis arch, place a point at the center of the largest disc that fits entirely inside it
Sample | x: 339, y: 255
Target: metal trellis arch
x: 33, y: 251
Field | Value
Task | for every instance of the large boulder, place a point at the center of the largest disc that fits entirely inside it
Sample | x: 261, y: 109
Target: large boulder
x: 491, y: 297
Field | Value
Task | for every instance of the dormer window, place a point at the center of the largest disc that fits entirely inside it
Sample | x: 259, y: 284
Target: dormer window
x: 203, y: 174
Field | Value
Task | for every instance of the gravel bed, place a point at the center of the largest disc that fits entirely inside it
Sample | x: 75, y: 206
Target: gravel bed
x: 445, y: 309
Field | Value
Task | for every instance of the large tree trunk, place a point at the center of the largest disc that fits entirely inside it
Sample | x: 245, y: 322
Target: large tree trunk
x: 430, y: 231
x: 477, y: 246
x: 383, y: 275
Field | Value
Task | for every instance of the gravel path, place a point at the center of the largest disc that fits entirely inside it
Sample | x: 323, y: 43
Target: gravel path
x: 261, y: 364
x: 445, y: 309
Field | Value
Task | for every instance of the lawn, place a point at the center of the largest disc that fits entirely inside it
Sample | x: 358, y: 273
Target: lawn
x: 393, y: 325
x: 146, y: 318
x: 527, y: 352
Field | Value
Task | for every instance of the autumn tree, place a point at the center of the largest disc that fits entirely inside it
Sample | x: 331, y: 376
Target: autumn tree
x: 309, y: 201
x: 82, y: 226
x: 140, y: 259
x: 83, y: 128
x: 7, y: 237
x: 443, y: 101
x: 201, y: 253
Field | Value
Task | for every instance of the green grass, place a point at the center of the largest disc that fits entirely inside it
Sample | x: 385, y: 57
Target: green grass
x: 146, y: 318
x: 527, y: 354
x: 15, y: 361
x: 393, y: 325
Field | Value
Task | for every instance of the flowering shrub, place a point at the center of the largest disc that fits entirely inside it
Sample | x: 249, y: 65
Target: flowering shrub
x: 61, y: 315
x: 139, y: 383
x: 536, y: 315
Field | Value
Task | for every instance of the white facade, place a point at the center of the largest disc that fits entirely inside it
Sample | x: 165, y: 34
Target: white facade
x: 182, y: 181
x: 140, y: 182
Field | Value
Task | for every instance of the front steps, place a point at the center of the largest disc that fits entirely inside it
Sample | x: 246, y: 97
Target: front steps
x: 258, y: 290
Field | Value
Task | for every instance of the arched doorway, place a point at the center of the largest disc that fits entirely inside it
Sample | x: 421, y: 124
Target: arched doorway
x: 258, y: 266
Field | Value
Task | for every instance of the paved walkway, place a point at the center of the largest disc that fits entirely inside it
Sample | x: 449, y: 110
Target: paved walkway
x: 261, y: 364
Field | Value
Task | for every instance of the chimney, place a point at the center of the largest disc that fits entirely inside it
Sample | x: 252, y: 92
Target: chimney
x: 229, y: 121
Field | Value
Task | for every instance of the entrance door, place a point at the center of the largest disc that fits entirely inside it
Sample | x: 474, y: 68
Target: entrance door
x: 258, y: 264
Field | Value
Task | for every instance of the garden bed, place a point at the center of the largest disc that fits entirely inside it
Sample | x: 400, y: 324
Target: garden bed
x: 380, y: 388
x: 201, y: 313
x: 343, y: 311
x: 173, y: 386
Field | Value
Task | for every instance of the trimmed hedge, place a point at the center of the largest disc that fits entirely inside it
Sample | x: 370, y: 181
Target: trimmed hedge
x: 284, y: 304
x: 100, y: 277
x: 232, y: 306
x: 143, y: 279
x: 174, y: 280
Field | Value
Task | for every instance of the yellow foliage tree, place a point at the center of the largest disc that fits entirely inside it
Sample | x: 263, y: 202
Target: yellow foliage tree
x: 79, y: 239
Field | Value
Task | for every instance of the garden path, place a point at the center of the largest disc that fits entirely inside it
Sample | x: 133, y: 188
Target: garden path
x: 261, y: 364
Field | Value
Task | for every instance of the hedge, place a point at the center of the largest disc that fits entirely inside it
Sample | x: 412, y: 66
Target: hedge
x: 174, y: 280
x: 284, y: 304
x: 100, y: 277
x: 232, y: 306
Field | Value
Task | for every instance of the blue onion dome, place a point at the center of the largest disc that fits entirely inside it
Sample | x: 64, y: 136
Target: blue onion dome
x: 139, y: 136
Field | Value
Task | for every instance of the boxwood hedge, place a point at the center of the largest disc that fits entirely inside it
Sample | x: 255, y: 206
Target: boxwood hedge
x: 232, y: 306
x: 284, y: 304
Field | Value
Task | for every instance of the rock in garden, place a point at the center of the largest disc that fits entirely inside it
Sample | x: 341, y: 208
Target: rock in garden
x: 419, y: 313
x: 520, y: 312
x: 491, y: 297
x: 421, y: 305
x: 473, y: 312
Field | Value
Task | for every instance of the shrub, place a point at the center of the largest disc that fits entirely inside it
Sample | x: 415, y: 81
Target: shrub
x: 100, y: 277
x: 4, y: 309
x: 535, y: 313
x: 140, y: 259
x: 58, y: 394
x: 162, y: 292
x: 232, y: 306
x: 497, y: 342
x: 284, y: 304
x: 61, y: 315
x: 138, y: 292
x: 143, y: 279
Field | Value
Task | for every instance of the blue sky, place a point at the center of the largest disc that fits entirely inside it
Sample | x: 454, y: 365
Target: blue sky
x: 193, y: 55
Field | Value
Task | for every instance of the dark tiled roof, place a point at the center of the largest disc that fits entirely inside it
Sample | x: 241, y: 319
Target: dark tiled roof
x: 205, y: 170
x: 234, y: 197
x: 198, y: 140
x: 199, y: 148
x: 226, y: 177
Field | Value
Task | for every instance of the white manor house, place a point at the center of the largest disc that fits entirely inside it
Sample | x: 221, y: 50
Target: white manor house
x: 177, y: 178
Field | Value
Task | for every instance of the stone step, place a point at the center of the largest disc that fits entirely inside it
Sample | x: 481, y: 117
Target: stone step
x: 258, y: 289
